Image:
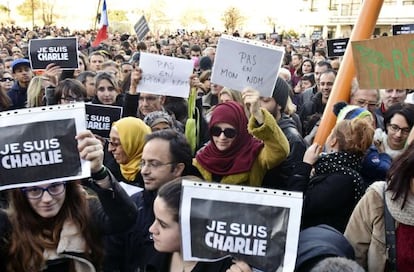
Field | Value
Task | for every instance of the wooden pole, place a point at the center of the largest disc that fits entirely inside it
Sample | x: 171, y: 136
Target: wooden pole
x: 341, y: 89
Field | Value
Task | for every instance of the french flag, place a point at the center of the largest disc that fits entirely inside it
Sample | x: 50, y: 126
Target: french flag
x: 103, y: 32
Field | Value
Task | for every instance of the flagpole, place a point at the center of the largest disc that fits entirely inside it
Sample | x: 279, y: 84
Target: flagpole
x: 97, y: 13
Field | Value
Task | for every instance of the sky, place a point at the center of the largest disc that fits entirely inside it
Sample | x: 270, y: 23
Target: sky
x: 80, y: 13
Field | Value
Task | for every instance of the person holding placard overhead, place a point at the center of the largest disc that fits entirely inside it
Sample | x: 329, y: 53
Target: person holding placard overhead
x: 57, y: 226
x: 240, y: 151
x: 167, y: 236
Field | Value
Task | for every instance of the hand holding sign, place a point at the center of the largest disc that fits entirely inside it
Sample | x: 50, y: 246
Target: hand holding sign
x: 136, y: 75
x: 52, y: 73
x: 91, y: 149
x: 251, y: 99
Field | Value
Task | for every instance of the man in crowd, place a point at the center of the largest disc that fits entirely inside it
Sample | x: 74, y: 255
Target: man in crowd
x: 166, y: 156
x: 22, y: 74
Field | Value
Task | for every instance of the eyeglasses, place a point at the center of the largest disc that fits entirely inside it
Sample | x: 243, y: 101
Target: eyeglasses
x: 228, y: 132
x: 363, y: 103
x: 36, y: 192
x: 394, y: 128
x: 153, y: 164
x: 72, y: 99
x: 114, y: 144
x: 4, y: 79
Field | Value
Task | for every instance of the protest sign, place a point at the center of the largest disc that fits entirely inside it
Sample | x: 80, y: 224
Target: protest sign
x: 256, y: 225
x: 61, y: 51
x: 336, y: 47
x: 99, y: 118
x: 165, y: 75
x: 402, y: 29
x: 141, y: 28
x: 316, y: 35
x: 38, y: 145
x: 241, y: 63
x: 385, y: 63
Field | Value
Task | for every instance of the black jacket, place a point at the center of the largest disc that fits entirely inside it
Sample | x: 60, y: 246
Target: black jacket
x: 276, y: 178
x: 134, y: 249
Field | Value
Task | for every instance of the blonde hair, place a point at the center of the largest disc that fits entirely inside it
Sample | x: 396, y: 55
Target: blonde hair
x: 35, y: 92
x: 235, y: 95
x: 354, y: 136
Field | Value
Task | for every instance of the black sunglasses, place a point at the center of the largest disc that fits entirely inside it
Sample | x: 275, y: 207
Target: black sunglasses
x: 6, y: 79
x: 228, y: 132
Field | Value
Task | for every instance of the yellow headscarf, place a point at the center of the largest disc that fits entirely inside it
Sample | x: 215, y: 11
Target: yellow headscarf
x: 132, y: 132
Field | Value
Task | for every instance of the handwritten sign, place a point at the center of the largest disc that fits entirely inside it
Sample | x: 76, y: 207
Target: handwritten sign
x: 336, y: 47
x: 241, y: 63
x: 61, y: 51
x: 258, y: 226
x: 99, y: 118
x: 38, y: 145
x: 165, y: 75
x: 385, y: 63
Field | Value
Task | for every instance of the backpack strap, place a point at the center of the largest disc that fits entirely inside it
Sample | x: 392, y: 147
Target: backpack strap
x: 389, y: 224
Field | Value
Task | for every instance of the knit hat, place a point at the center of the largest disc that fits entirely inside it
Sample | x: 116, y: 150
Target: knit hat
x: 343, y: 111
x: 281, y: 92
x: 205, y: 63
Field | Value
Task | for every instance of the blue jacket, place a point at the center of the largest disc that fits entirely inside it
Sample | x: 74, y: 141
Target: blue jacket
x: 18, y: 96
x: 375, y: 166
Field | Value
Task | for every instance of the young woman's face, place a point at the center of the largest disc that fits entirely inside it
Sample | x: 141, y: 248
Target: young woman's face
x: 398, y: 131
x: 106, y: 92
x: 48, y: 205
x: 7, y: 81
x: 223, y: 141
x: 165, y: 230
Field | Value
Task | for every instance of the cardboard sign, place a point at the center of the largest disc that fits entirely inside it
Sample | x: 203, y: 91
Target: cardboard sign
x: 256, y: 225
x: 165, y: 75
x: 61, y: 51
x: 402, y: 29
x: 336, y: 47
x: 385, y: 63
x: 99, y: 118
x: 241, y: 63
x: 141, y: 28
x: 38, y: 145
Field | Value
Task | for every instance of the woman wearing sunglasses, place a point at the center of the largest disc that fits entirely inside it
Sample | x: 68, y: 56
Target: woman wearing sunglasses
x: 240, y: 151
x: 58, y: 226
x: 6, y: 82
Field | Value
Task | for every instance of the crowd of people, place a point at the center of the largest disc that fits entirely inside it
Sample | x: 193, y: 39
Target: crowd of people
x: 241, y: 138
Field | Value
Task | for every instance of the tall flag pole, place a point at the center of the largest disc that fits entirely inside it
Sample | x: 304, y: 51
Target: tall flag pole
x: 103, y: 31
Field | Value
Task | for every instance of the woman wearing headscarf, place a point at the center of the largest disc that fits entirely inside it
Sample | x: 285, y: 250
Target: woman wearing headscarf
x: 126, y: 141
x: 241, y: 150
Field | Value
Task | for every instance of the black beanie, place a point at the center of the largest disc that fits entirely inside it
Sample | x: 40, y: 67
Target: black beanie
x: 205, y: 63
x: 281, y: 92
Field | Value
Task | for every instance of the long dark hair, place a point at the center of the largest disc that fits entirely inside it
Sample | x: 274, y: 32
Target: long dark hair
x: 401, y: 173
x: 31, y: 234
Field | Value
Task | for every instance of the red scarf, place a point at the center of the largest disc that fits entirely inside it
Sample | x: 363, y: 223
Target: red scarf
x: 240, y: 156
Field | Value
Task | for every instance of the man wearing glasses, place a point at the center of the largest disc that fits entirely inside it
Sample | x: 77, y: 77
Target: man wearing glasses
x: 166, y: 156
x: 368, y: 99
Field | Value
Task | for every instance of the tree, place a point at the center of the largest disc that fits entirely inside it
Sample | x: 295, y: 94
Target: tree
x: 5, y: 9
x: 29, y: 9
x: 193, y: 17
x: 232, y: 19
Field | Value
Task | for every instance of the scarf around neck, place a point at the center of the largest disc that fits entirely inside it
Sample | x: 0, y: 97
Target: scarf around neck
x: 343, y: 163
